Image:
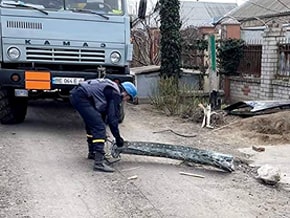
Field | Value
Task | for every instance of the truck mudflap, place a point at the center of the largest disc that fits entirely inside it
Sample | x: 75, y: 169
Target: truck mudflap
x: 50, y: 80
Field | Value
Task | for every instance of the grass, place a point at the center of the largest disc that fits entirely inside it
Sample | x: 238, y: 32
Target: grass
x: 181, y: 100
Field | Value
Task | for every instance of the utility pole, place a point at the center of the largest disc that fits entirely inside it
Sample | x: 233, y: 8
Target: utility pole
x: 214, y: 95
x: 213, y: 77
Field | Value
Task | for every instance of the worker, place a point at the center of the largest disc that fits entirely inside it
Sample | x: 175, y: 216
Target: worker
x: 98, y: 102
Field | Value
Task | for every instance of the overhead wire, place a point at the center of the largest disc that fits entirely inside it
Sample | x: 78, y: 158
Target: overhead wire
x: 186, y: 18
x: 256, y: 4
x: 282, y: 3
x: 269, y: 9
x: 262, y: 6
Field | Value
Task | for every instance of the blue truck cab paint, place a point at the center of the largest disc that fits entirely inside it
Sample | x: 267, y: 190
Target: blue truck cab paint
x: 49, y: 46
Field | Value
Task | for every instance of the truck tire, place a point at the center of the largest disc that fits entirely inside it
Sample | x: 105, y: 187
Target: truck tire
x: 12, y: 109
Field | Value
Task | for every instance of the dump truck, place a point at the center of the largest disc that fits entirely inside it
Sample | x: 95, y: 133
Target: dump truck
x: 50, y: 46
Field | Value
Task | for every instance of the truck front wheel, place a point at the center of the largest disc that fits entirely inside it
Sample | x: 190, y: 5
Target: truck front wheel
x: 12, y: 109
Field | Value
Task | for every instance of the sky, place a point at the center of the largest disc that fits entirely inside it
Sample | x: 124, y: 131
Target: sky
x: 153, y: 2
x: 239, y: 2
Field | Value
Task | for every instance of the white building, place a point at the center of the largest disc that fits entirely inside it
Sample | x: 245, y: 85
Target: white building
x: 133, y: 6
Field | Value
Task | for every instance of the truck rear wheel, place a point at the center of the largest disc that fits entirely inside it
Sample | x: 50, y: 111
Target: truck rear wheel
x: 12, y: 109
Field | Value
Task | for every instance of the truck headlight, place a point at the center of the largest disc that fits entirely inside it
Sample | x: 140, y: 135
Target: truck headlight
x: 13, y: 53
x: 115, y: 57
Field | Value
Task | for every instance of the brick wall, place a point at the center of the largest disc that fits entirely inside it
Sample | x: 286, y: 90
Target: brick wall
x: 244, y: 89
x: 270, y: 60
x: 267, y: 87
x: 281, y: 89
x: 231, y: 31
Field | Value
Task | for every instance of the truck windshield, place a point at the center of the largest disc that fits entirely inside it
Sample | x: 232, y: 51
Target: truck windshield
x: 113, y: 7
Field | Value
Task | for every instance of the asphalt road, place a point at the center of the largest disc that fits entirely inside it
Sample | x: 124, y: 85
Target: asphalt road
x: 44, y: 173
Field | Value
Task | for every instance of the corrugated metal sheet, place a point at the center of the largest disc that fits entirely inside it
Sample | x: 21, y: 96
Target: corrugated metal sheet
x: 258, y: 8
x: 202, y: 13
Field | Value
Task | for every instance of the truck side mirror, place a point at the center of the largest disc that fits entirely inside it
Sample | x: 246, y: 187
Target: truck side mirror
x: 131, y: 21
x: 142, y: 9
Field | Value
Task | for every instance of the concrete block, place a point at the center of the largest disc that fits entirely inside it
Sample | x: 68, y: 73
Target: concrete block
x: 269, y: 175
x: 147, y: 79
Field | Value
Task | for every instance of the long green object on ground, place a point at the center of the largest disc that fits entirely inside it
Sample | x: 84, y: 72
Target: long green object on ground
x: 189, y: 154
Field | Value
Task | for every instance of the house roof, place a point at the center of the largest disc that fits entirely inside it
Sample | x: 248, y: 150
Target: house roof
x: 253, y: 9
x: 194, y: 13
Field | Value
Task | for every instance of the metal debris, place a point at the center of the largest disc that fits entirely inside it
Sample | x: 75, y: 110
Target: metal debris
x: 252, y: 108
x: 189, y: 154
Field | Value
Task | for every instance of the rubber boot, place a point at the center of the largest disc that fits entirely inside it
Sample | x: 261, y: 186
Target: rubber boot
x: 100, y: 165
x: 91, y: 153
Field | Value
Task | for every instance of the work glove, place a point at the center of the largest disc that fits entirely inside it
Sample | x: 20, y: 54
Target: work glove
x: 119, y: 142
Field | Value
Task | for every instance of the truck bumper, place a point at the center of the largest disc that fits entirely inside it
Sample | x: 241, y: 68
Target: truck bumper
x: 46, y: 80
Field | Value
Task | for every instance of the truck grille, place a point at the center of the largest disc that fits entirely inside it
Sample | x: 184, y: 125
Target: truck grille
x: 23, y: 25
x: 67, y: 55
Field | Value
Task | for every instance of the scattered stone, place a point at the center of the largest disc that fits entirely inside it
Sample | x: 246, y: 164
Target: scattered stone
x: 258, y: 149
x: 269, y: 175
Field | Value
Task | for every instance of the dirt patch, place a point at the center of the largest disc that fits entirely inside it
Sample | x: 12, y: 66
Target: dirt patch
x: 267, y: 129
x: 277, y: 123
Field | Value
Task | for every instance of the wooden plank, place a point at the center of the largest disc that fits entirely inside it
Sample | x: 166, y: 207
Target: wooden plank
x: 191, y: 174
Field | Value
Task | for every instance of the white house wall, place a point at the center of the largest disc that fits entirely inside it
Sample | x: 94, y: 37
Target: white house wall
x: 255, y: 35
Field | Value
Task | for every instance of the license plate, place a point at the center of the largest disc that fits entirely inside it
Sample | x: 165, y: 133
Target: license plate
x: 67, y: 80
x: 21, y: 93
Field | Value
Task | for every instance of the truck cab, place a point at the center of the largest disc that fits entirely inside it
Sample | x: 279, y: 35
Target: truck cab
x: 49, y: 46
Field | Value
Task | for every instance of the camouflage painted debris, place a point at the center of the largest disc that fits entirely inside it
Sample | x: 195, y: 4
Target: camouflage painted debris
x: 189, y: 154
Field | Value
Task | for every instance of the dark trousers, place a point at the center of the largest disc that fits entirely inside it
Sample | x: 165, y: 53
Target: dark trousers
x: 95, y: 125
